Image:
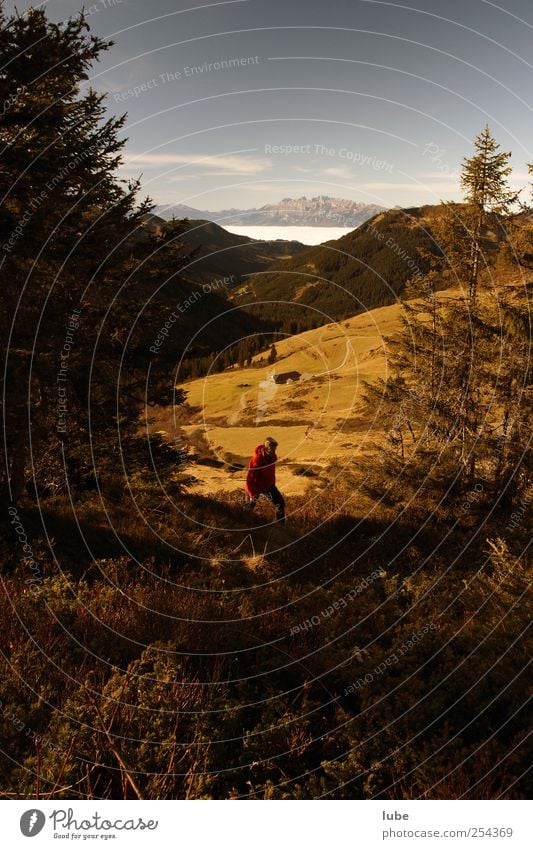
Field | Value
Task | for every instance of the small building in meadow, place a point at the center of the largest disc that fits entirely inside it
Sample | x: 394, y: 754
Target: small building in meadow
x: 286, y: 377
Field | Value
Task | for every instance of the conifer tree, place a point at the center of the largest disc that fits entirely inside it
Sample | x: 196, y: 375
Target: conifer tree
x: 457, y: 402
x: 484, y: 182
x: 71, y: 258
x: 521, y: 233
x: 452, y: 229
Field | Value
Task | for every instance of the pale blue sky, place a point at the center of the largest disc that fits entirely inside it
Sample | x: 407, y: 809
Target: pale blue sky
x: 383, y: 99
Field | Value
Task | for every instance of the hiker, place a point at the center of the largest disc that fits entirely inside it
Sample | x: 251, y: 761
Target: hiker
x: 261, y: 477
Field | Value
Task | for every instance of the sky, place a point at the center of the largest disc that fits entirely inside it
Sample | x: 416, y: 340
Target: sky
x: 244, y: 102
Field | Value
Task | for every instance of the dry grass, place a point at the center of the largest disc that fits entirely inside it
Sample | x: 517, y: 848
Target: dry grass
x: 317, y: 422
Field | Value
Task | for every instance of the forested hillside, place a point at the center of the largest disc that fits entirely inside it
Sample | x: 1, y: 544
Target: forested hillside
x: 367, y: 268
x: 216, y: 253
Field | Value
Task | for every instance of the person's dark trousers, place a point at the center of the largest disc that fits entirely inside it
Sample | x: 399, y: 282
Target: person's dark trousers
x: 276, y: 497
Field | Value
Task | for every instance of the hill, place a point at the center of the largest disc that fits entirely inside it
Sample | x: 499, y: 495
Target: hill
x: 220, y: 254
x: 318, y: 421
x: 367, y: 268
x: 320, y: 211
x: 320, y: 417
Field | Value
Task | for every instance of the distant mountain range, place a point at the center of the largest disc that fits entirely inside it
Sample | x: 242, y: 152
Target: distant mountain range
x: 321, y: 211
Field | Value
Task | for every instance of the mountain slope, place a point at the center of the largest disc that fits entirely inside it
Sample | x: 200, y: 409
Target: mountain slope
x: 321, y: 421
x: 367, y: 268
x: 220, y: 254
x: 317, y: 421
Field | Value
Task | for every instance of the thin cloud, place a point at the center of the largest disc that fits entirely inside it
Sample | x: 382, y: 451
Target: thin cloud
x: 435, y: 188
x: 279, y: 187
x: 333, y: 171
x: 180, y: 178
x: 452, y: 176
x: 338, y: 171
x: 209, y: 165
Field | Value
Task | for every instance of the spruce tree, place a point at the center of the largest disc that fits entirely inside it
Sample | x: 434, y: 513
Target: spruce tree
x: 71, y: 258
x: 484, y: 182
x: 521, y: 233
x: 457, y: 402
x: 452, y: 229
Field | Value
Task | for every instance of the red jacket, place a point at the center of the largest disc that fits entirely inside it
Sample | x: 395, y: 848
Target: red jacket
x: 261, y: 472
